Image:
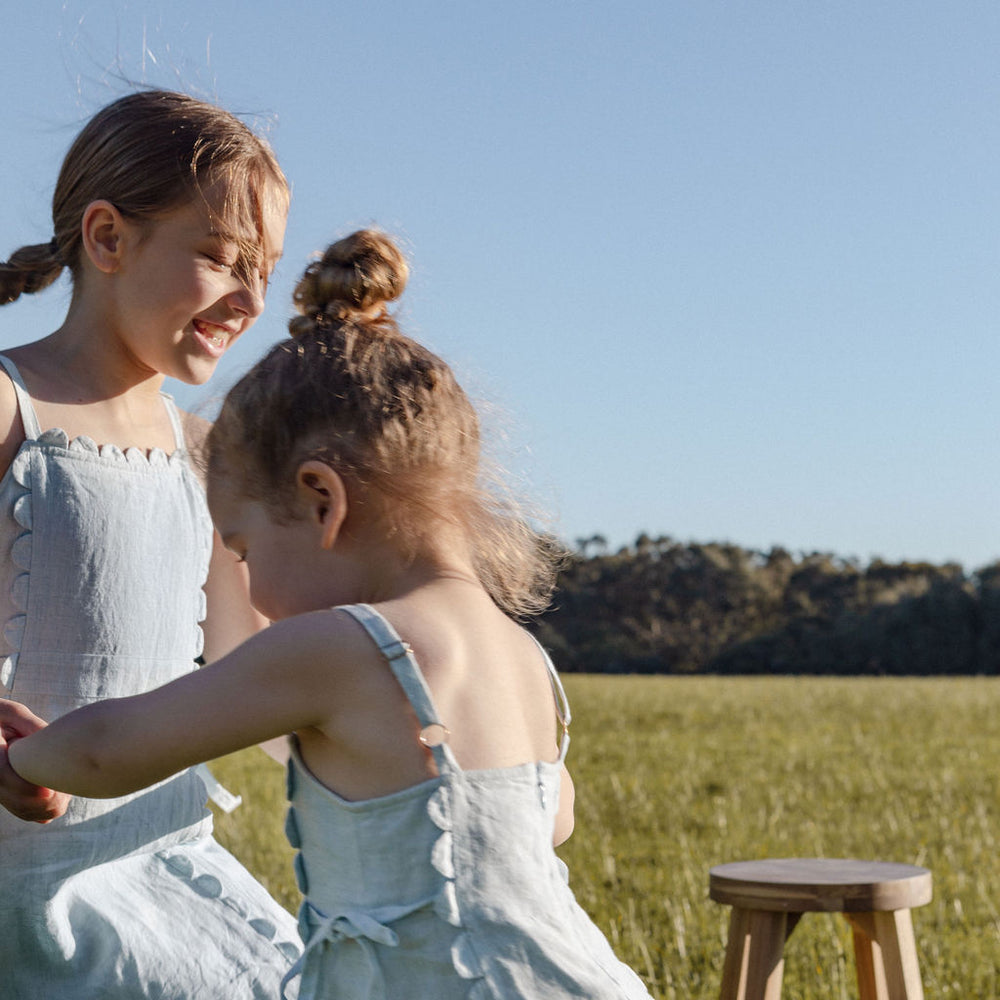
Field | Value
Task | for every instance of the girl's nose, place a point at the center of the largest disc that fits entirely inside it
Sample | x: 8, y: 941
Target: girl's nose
x: 248, y: 299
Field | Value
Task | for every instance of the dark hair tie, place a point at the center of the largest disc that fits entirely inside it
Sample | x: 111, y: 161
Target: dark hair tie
x: 54, y: 249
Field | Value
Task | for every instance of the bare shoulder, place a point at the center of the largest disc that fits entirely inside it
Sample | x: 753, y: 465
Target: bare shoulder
x: 322, y: 659
x: 11, y: 429
x: 330, y: 638
x: 483, y: 669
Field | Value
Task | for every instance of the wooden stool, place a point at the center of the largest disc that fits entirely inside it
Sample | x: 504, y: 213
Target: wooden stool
x: 769, y: 897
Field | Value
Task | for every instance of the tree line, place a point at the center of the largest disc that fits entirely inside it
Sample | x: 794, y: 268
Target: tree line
x: 661, y: 606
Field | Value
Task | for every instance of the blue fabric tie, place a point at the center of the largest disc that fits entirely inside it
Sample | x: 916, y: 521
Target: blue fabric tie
x: 354, y: 926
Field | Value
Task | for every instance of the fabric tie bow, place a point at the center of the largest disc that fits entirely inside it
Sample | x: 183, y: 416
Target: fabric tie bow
x: 359, y: 927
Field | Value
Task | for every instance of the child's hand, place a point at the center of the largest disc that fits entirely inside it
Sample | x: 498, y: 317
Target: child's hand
x: 24, y: 800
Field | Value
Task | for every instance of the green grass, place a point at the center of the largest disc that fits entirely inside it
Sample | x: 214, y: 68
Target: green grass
x: 674, y: 775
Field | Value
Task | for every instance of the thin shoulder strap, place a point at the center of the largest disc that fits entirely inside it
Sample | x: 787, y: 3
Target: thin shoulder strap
x: 562, y: 702
x: 402, y: 662
x: 32, y: 428
x: 28, y: 416
x: 175, y: 420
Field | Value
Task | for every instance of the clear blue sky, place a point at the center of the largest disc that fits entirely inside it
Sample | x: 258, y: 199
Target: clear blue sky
x: 726, y: 271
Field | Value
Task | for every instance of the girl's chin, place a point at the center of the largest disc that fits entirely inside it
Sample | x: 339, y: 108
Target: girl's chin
x: 197, y: 373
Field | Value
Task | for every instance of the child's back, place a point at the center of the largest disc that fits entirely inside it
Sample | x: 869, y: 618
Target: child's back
x: 450, y: 887
x: 484, y: 671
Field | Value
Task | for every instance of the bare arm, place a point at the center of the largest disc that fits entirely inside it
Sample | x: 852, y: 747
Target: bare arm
x: 230, y: 619
x: 279, y: 681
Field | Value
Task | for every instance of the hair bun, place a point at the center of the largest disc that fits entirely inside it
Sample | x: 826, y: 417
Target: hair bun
x: 354, y: 279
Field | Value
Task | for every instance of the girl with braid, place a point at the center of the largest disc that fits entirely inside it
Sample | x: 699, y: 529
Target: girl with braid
x: 169, y: 214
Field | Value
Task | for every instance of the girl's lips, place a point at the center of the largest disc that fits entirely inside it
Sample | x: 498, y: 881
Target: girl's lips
x: 214, y: 339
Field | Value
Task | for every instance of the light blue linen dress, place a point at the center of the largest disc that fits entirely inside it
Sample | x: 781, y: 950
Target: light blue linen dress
x: 448, y: 890
x: 100, y: 597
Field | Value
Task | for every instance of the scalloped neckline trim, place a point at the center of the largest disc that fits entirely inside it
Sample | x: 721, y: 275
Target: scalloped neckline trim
x: 57, y: 437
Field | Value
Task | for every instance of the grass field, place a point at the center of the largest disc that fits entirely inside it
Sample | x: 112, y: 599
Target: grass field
x: 674, y: 775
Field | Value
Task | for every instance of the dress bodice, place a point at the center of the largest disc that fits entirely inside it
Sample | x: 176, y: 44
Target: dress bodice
x: 100, y: 597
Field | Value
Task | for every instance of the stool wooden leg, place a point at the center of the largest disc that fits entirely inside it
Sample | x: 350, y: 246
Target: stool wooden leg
x: 886, y: 955
x: 734, y: 970
x: 754, y: 955
x: 867, y: 958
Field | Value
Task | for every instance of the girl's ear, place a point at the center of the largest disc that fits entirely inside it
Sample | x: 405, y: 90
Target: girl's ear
x: 323, y: 495
x: 102, y: 230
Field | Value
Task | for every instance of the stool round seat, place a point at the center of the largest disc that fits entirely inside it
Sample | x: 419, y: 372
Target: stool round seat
x: 769, y: 897
x: 820, y: 885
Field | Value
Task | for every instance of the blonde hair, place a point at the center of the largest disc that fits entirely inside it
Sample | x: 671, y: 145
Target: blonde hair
x: 352, y: 390
x: 147, y: 153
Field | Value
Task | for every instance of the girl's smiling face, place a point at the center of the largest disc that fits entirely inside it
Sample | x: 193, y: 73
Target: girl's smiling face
x: 181, y: 293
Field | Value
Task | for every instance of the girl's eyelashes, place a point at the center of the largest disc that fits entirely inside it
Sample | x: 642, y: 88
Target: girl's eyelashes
x: 227, y: 259
x: 219, y: 262
x: 221, y: 253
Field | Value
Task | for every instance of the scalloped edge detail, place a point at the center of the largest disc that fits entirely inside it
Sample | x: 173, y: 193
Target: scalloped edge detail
x: 20, y: 557
x: 20, y: 469
x: 7, y: 670
x: 441, y: 856
x: 22, y: 511
x: 56, y: 437
x: 439, y: 807
x: 464, y: 957
x: 20, y: 551
x: 81, y: 443
x: 446, y: 905
x: 19, y: 591
x: 301, y: 876
x: 292, y: 829
x: 13, y: 630
x: 209, y: 886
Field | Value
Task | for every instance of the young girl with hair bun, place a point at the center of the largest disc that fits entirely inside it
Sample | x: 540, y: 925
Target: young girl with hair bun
x: 427, y: 781
x: 169, y: 214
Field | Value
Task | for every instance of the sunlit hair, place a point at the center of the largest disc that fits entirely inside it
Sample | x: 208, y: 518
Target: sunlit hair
x: 148, y: 153
x: 351, y: 390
